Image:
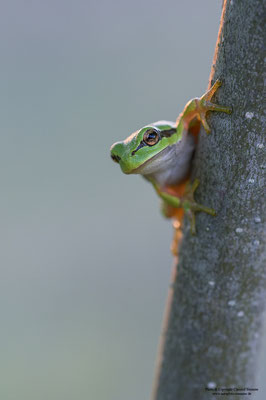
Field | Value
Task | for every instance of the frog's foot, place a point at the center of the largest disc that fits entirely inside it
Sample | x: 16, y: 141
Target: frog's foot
x: 191, y: 207
x: 205, y: 105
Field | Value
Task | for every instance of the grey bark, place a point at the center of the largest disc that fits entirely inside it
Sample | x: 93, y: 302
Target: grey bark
x: 213, y: 323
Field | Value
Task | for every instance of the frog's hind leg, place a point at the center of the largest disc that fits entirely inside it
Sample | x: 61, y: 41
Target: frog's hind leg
x: 178, y: 233
x: 177, y: 215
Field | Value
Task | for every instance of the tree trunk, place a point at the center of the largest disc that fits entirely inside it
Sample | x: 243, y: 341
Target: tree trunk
x: 212, y: 328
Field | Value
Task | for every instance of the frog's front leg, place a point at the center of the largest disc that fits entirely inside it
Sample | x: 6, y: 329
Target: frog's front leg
x: 198, y: 108
x: 186, y: 202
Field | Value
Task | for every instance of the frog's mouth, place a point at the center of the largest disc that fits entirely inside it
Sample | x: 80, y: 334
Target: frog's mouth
x: 157, y: 163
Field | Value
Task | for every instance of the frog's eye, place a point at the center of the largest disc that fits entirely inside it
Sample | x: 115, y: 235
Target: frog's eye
x: 151, y: 137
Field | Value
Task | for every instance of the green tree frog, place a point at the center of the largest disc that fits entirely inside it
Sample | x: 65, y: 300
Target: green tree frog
x: 162, y: 151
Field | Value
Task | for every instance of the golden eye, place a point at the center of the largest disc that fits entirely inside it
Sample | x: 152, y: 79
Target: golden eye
x: 151, y: 137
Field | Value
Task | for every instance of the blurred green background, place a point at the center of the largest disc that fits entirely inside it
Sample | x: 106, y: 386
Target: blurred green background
x: 85, y: 261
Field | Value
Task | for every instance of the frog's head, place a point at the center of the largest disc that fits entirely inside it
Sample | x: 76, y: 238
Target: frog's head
x: 143, y: 146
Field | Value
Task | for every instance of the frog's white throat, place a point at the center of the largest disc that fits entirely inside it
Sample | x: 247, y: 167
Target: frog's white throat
x: 172, y: 164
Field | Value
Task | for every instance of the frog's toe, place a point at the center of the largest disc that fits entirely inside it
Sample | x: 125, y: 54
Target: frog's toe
x: 207, y: 210
x: 191, y: 206
x: 192, y: 220
x: 218, y: 107
x: 206, y: 105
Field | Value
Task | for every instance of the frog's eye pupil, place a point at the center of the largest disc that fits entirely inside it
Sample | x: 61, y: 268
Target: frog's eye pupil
x: 151, y: 137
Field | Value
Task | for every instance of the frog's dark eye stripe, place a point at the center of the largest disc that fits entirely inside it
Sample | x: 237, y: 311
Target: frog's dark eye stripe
x: 150, y: 138
x: 142, y: 144
x: 153, y: 136
x: 168, y: 132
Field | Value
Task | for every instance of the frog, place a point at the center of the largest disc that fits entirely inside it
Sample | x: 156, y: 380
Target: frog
x: 162, y: 153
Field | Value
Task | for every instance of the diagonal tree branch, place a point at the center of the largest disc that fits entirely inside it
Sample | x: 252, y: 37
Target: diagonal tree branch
x: 213, y: 321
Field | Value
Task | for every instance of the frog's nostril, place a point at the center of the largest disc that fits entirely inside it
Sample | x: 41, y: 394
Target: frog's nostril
x: 115, y: 158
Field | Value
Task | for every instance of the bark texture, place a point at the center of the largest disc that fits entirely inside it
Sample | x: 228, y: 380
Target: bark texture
x: 215, y: 307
